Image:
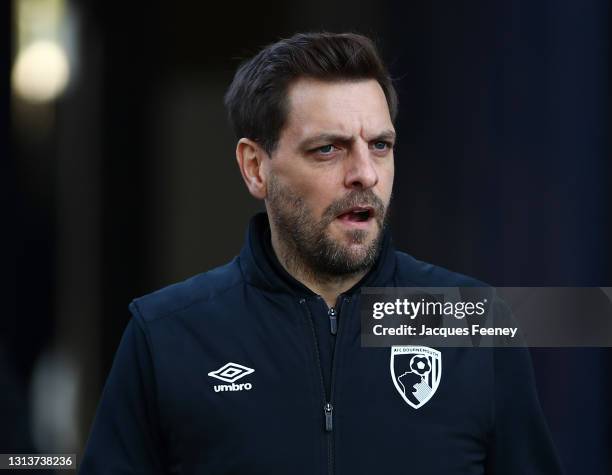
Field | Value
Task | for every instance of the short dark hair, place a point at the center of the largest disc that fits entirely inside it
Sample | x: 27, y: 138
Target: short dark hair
x: 257, y: 98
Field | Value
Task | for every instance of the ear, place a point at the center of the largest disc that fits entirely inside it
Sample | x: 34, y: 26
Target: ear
x: 250, y: 157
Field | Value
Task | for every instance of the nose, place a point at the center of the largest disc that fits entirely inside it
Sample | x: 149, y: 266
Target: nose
x: 361, y: 172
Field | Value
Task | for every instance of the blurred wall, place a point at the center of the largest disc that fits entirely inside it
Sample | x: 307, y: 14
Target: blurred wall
x: 504, y: 170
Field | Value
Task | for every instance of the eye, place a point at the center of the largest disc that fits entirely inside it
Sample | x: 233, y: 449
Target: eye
x: 381, y: 145
x: 326, y: 149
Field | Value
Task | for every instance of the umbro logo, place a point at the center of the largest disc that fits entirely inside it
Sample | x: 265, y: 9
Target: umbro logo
x: 230, y: 373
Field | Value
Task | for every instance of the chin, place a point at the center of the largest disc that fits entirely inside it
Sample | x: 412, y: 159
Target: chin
x: 357, y: 246
x: 360, y: 237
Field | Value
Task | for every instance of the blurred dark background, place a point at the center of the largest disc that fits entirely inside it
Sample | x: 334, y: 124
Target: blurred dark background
x: 125, y: 179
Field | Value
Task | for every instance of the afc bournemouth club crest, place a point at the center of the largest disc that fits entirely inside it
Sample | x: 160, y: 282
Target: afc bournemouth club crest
x: 416, y: 372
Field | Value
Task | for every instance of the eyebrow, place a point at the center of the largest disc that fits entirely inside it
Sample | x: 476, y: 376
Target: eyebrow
x: 310, y: 142
x: 388, y: 135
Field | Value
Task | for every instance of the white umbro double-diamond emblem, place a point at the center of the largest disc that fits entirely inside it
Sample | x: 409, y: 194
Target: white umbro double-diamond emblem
x: 230, y: 373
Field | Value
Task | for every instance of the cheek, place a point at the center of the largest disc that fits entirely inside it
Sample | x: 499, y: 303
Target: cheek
x: 317, y: 188
x: 386, y: 182
x: 312, y: 196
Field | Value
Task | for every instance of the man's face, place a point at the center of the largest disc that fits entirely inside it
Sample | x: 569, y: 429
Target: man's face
x: 330, y: 177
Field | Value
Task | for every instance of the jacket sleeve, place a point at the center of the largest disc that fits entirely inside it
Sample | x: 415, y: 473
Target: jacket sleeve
x: 521, y: 442
x: 125, y: 437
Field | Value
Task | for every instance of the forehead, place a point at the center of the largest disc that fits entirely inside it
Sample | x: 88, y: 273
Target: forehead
x: 348, y: 107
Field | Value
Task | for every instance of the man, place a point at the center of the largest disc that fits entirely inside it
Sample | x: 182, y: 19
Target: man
x: 256, y: 367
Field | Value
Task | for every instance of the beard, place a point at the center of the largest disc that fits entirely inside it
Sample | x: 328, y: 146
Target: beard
x: 307, y: 244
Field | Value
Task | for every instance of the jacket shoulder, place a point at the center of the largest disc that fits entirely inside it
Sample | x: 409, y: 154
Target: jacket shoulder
x: 413, y: 272
x: 199, y: 288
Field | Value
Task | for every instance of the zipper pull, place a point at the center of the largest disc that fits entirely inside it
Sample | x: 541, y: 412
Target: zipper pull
x: 333, y: 320
x: 329, y: 424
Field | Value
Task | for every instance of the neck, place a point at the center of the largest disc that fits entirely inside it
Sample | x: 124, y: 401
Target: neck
x: 325, y: 285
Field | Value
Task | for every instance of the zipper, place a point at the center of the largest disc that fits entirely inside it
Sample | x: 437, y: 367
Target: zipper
x: 329, y: 421
x: 329, y: 414
x: 333, y: 320
x: 328, y: 408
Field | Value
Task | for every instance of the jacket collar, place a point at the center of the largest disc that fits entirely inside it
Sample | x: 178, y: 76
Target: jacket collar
x: 262, y: 269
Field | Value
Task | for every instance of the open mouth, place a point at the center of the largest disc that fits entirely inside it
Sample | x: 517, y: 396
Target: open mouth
x: 359, y: 214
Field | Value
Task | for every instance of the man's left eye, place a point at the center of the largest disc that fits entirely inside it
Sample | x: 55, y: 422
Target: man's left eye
x: 380, y: 145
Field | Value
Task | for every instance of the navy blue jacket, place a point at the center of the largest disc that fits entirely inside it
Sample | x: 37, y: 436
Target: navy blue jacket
x: 243, y: 370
